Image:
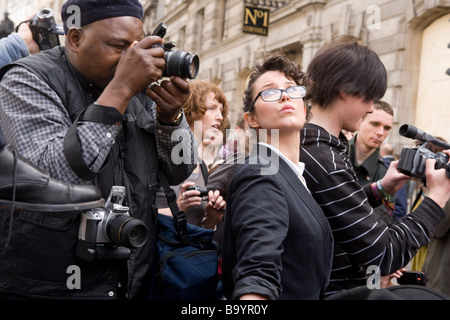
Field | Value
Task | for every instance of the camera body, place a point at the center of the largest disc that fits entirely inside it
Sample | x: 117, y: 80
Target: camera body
x: 412, y: 161
x: 203, y: 191
x: 178, y: 63
x: 110, y: 232
x: 45, y: 30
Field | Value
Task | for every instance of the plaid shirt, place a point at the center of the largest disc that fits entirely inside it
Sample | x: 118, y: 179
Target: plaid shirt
x: 35, y: 121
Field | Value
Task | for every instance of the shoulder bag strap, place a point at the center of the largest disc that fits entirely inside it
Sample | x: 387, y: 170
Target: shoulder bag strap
x: 204, y: 169
x: 179, y: 218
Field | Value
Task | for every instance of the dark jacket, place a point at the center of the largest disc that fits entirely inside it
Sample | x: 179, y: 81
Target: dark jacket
x: 374, y: 168
x: 276, y: 240
x: 437, y: 261
x: 43, y: 244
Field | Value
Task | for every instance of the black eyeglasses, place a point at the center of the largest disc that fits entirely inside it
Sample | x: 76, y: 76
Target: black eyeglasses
x: 270, y: 95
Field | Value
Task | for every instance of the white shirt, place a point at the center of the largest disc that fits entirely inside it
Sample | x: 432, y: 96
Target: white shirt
x: 298, y: 168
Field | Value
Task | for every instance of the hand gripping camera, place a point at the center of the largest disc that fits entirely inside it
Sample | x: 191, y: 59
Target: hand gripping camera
x: 178, y: 63
x: 203, y: 191
x: 110, y: 232
x: 45, y: 30
x: 412, y: 160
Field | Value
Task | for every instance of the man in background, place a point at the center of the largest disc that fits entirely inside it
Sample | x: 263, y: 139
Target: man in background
x: 365, y: 151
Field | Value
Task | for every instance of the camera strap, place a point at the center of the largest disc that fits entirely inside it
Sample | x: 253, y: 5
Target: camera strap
x: 179, y: 217
x: 18, y: 26
x: 72, y: 146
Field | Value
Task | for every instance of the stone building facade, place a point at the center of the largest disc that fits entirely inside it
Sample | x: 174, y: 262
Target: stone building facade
x: 410, y: 36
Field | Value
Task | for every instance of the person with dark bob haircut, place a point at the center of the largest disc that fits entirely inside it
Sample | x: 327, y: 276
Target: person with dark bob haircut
x: 277, y: 243
x: 347, y: 77
x: 344, y: 65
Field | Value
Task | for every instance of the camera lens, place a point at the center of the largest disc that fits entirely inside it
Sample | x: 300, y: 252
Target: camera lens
x: 126, y: 231
x: 46, y: 16
x: 182, y: 64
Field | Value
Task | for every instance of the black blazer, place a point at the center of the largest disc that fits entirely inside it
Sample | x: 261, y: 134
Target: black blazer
x: 277, y: 241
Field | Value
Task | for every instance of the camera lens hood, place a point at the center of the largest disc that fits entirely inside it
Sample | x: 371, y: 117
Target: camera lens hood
x: 126, y: 231
x: 182, y: 64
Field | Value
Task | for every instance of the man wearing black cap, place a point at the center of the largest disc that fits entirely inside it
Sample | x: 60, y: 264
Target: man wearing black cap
x: 87, y: 115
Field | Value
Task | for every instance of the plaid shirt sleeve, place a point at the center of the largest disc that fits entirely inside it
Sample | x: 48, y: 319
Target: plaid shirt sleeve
x: 177, y: 150
x: 35, y: 121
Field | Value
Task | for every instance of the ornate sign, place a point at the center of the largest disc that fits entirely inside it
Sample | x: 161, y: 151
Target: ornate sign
x: 256, y: 20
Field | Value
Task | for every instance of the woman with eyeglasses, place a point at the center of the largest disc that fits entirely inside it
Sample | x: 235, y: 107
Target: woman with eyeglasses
x: 277, y: 243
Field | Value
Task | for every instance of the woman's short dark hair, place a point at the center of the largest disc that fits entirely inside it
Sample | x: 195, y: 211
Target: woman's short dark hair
x: 345, y: 65
x: 277, y: 61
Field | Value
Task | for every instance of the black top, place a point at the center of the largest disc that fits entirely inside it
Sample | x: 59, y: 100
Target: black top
x: 276, y: 240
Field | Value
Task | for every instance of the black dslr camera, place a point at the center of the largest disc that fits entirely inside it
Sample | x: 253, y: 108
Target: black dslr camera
x: 203, y: 191
x: 45, y: 30
x: 178, y: 63
x: 109, y: 232
x: 412, y: 160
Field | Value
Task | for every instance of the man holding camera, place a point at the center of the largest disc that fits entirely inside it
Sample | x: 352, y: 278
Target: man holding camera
x: 87, y: 115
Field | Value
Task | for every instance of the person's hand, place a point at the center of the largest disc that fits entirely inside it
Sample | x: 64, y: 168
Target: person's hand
x: 169, y: 96
x: 139, y: 66
x: 190, y: 198
x: 253, y: 296
x: 24, y: 32
x: 214, y: 209
x: 386, y: 281
x: 393, y: 180
x: 437, y: 182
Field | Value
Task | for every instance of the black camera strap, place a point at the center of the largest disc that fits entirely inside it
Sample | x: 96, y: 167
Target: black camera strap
x: 18, y: 26
x: 72, y: 146
x: 179, y: 217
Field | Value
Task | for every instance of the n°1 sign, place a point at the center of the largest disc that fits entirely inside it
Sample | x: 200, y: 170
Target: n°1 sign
x: 256, y: 20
